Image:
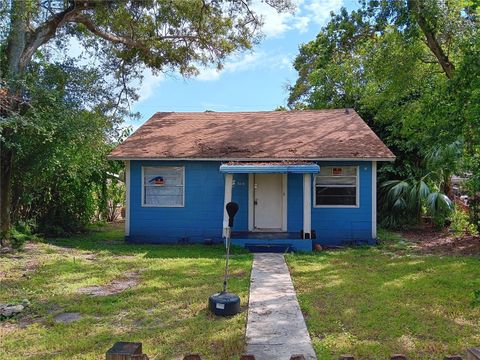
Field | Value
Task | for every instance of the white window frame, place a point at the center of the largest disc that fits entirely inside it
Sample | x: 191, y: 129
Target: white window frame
x: 357, y: 189
x: 163, y: 206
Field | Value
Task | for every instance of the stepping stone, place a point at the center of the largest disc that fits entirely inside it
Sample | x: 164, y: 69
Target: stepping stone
x: 275, y: 328
x: 66, y: 318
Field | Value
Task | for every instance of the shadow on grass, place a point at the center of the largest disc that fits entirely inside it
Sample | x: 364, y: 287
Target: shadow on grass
x: 111, y: 240
x: 167, y: 310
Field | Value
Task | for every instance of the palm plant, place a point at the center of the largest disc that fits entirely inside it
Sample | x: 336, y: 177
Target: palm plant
x: 443, y: 162
x: 404, y: 202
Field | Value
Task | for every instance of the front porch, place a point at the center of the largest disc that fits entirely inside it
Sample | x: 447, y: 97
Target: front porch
x: 275, y: 202
x: 271, y: 241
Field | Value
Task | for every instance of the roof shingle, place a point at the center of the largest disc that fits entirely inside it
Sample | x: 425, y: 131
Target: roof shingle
x: 272, y: 135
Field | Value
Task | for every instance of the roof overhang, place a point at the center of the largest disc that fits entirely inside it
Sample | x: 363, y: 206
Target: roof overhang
x: 129, y: 158
x: 269, y: 168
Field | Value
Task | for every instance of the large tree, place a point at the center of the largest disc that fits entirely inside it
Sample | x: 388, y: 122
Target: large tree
x: 396, y: 63
x: 123, y: 35
x: 407, y: 66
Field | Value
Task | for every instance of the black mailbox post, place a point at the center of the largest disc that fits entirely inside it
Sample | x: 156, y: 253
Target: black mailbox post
x: 225, y: 303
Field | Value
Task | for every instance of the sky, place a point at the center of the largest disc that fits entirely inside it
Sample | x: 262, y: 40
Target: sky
x: 253, y: 80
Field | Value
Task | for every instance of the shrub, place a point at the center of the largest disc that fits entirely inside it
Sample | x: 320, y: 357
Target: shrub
x: 474, y: 206
x: 403, y: 202
x: 21, y: 234
x: 461, y: 224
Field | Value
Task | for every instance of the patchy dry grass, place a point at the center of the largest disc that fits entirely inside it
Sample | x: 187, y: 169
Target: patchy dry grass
x: 165, y: 306
x: 374, y: 302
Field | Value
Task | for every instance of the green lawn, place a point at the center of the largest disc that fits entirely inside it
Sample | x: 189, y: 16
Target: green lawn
x: 166, y: 311
x: 374, y: 302
x: 369, y: 302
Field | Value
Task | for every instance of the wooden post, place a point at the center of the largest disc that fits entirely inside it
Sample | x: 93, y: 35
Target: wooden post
x: 346, y: 357
x: 297, y: 357
x: 473, y: 354
x: 125, y: 351
x: 247, y: 357
x: 398, y: 357
x: 192, y: 357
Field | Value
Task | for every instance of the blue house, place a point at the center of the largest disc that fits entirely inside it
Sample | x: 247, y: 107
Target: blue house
x: 300, y: 178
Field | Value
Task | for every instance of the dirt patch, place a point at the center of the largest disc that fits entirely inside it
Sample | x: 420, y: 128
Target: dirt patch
x: 237, y: 274
x: 10, y: 326
x: 429, y: 240
x: 129, y: 280
x: 25, y: 261
x: 7, y: 328
x: 76, y: 253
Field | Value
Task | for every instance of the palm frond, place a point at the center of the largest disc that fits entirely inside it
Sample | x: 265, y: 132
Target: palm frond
x: 399, y: 189
x: 438, y: 203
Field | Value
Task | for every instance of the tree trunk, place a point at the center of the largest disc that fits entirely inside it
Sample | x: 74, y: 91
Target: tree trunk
x: 6, y: 160
x: 12, y: 71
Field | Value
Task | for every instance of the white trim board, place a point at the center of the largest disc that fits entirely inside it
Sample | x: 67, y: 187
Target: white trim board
x: 251, y: 194
x: 127, y: 198
x: 284, y: 202
x: 374, y: 199
x: 226, y: 199
x: 307, y: 204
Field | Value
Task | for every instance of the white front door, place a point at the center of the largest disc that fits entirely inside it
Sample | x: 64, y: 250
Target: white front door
x: 268, y: 202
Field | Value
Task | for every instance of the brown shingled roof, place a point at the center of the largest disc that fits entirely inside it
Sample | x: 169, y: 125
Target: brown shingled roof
x: 270, y: 135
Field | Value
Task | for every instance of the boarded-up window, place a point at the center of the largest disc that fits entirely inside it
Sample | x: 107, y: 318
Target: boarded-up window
x: 163, y: 186
x: 336, y: 186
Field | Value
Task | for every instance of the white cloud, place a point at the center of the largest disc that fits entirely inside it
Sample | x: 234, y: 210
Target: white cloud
x: 208, y: 74
x: 274, y: 23
x: 239, y: 63
x: 307, y: 12
x: 149, y: 84
x: 302, y: 23
x: 319, y: 10
x: 249, y: 61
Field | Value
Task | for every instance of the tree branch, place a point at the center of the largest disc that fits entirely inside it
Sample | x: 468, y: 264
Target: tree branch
x: 417, y: 9
x: 47, y: 30
x: 129, y: 42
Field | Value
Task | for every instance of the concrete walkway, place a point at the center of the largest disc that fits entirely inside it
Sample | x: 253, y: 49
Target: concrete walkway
x: 275, y: 328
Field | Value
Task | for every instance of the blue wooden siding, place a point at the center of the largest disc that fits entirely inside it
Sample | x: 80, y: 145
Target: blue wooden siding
x: 295, y: 202
x: 339, y: 226
x: 202, y: 216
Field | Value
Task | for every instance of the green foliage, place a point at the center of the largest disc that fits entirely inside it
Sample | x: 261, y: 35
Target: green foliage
x: 411, y: 70
x: 476, y: 298
x: 403, y: 202
x: 361, y: 60
x: 460, y: 223
x: 23, y: 231
x: 474, y: 210
x: 61, y: 147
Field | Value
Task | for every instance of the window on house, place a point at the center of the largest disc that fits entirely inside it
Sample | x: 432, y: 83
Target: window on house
x: 336, y: 186
x: 163, y: 186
